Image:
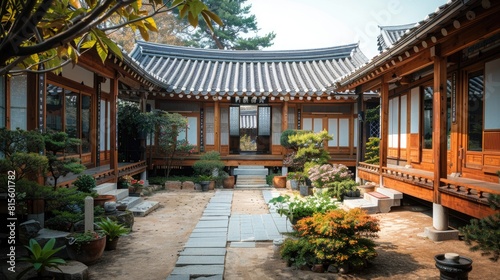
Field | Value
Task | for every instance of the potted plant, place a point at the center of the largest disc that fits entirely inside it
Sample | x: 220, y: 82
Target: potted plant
x: 135, y: 188
x: 113, y: 231
x: 86, y: 183
x: 211, y: 164
x: 204, y: 181
x: 41, y: 258
x: 124, y: 182
x: 86, y: 247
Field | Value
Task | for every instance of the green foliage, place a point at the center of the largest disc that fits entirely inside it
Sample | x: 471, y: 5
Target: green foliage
x: 236, y: 31
x: 111, y: 228
x: 339, y: 189
x: 246, y: 143
x: 212, y: 166
x: 322, y: 175
x: 285, y: 135
x: 21, y: 150
x: 51, y: 33
x: 56, y: 143
x: 373, y: 114
x: 372, y: 155
x: 295, y: 208
x: 310, y: 150
x: 41, y: 258
x: 85, y: 183
x: 336, y: 237
x: 484, y: 234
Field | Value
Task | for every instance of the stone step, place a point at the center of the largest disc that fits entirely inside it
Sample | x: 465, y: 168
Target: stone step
x: 250, y: 171
x: 250, y: 181
x: 383, y: 202
x: 144, y: 208
x: 255, y: 186
x: 394, y: 194
x: 130, y: 201
x: 368, y: 206
x: 119, y: 194
x: 251, y: 167
x: 104, y: 188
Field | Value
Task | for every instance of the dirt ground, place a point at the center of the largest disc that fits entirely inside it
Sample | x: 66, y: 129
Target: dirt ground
x: 151, y: 250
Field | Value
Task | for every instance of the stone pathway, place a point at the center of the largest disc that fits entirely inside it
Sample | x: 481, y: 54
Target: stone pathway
x: 204, y: 252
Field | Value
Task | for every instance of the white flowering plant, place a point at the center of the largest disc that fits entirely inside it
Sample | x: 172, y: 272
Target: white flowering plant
x: 324, y: 175
x: 296, y: 208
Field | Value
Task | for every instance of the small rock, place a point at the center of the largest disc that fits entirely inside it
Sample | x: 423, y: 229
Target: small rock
x: 332, y: 269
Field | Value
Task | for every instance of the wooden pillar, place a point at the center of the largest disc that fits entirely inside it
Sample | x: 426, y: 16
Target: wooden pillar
x: 113, y: 163
x: 439, y: 141
x: 384, y: 126
x: 284, y: 122
x: 217, y: 125
x: 360, y: 153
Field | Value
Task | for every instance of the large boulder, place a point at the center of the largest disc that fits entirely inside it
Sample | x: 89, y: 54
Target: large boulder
x: 187, y: 185
x: 28, y: 230
x: 173, y: 185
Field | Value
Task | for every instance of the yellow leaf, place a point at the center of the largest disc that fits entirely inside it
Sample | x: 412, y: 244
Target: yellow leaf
x: 75, y: 3
x: 214, y: 17
x: 193, y: 20
x: 151, y: 24
x: 183, y: 9
x: 102, y: 51
x: 144, y: 32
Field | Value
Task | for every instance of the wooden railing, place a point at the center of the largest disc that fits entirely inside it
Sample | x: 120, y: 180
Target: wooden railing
x: 372, y: 168
x: 467, y: 190
x: 132, y: 169
x: 409, y: 176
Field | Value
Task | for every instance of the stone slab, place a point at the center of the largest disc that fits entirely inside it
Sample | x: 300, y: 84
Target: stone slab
x: 179, y: 277
x: 208, y: 234
x: 242, y: 245
x: 72, y: 270
x: 193, y: 260
x: 212, y: 224
x: 221, y: 229
x: 203, y: 252
x: 213, y: 277
x: 212, y: 242
x: 199, y: 270
x: 214, y: 218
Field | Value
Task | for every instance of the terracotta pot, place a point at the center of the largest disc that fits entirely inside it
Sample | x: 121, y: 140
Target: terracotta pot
x: 103, y: 198
x: 86, y: 252
x: 211, y: 186
x: 111, y: 245
x: 228, y: 182
x: 279, y: 181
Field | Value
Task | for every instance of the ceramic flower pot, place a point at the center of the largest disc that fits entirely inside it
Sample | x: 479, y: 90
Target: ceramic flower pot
x: 279, y: 181
x: 86, y: 252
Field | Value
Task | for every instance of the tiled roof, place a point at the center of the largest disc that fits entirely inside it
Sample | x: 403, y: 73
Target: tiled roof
x: 228, y: 72
x: 391, y: 34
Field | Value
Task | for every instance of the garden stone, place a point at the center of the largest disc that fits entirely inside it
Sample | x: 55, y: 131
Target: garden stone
x: 45, y: 234
x: 173, y: 185
x: 28, y: 230
x: 126, y: 218
x: 332, y: 269
x: 72, y: 270
x: 187, y: 185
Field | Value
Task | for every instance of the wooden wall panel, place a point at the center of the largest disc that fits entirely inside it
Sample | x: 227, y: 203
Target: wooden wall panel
x: 474, y: 160
x: 392, y: 152
x: 402, y: 154
x: 428, y: 156
x: 409, y: 189
x: 368, y: 176
x: 414, y: 147
x: 473, y: 209
x: 492, y: 141
x: 276, y: 149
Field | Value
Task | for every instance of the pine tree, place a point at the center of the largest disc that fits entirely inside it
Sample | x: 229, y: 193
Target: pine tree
x: 484, y: 234
x: 235, y: 34
x: 372, y: 155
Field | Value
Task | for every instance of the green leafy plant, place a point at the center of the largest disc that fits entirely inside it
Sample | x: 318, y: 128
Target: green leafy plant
x: 85, y: 183
x: 339, y: 189
x: 210, y: 164
x: 295, y: 208
x: 41, y: 258
x: 372, y: 155
x: 310, y: 149
x: 484, y: 234
x: 322, y: 175
x: 111, y: 228
x: 80, y: 238
x: 337, y: 237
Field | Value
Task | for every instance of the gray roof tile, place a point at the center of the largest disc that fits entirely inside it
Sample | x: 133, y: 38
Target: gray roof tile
x: 205, y: 71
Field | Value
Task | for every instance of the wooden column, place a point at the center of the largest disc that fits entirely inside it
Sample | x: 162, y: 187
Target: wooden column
x: 217, y: 125
x: 384, y: 126
x: 284, y: 123
x: 113, y: 125
x: 360, y: 153
x: 439, y: 141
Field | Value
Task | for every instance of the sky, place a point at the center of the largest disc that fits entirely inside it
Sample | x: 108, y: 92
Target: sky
x: 309, y: 24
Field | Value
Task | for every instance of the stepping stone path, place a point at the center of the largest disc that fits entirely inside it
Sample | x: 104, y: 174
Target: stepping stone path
x: 204, y: 253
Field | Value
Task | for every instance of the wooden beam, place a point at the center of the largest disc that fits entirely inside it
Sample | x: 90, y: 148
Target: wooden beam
x: 439, y: 141
x: 384, y: 126
x: 113, y: 123
x: 217, y: 125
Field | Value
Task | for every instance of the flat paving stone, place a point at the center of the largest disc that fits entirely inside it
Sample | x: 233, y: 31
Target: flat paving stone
x: 192, y: 260
x: 242, y: 245
x: 217, y: 242
x: 214, y: 277
x: 214, y: 218
x: 212, y: 224
x: 199, y: 270
x: 203, y: 252
x: 179, y: 277
x: 208, y: 234
x: 221, y: 229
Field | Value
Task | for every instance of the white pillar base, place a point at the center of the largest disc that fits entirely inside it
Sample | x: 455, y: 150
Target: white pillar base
x: 439, y: 217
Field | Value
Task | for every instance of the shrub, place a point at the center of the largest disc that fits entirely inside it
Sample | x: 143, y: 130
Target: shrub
x: 297, y: 208
x: 85, y: 183
x: 372, y: 150
x: 322, y: 175
x: 340, y: 189
x: 336, y: 237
